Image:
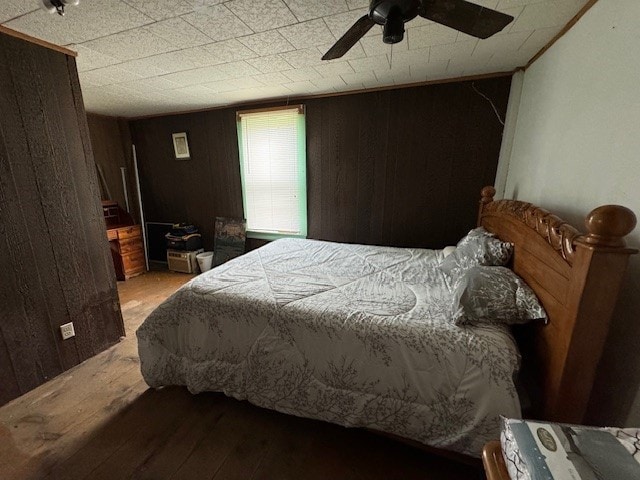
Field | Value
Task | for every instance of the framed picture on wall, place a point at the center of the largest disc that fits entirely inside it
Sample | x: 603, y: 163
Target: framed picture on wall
x: 181, y: 145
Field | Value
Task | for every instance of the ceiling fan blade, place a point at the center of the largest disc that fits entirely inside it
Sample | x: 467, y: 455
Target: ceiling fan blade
x: 465, y: 17
x: 349, y: 39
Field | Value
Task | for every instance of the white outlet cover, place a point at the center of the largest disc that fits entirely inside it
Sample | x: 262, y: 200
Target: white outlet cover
x: 67, y: 330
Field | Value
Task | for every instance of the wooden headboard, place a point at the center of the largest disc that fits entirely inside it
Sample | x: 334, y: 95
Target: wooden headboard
x: 577, y: 278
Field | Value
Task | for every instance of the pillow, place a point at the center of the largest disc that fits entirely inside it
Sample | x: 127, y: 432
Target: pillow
x: 494, y: 295
x: 478, y: 247
x: 446, y: 251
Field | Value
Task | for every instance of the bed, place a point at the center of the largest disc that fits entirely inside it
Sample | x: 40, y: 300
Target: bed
x: 360, y: 335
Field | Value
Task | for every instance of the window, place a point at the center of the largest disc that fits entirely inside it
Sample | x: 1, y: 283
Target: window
x: 272, y: 146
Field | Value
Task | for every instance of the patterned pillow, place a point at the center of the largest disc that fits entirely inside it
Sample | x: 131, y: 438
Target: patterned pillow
x: 478, y: 247
x: 494, y: 295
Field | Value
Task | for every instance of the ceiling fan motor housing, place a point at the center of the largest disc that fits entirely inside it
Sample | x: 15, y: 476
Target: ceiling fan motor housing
x: 393, y: 14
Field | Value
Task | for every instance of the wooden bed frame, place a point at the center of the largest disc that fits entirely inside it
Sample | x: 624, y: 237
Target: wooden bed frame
x: 577, y: 277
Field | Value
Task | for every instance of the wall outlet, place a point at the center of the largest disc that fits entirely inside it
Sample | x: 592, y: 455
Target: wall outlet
x: 67, y: 330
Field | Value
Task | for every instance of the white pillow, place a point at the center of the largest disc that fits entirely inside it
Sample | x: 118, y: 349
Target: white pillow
x: 446, y: 251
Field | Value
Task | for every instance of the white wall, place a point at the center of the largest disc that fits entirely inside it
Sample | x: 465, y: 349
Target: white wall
x: 577, y: 146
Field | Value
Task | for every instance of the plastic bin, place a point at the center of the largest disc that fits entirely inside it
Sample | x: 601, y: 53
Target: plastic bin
x: 205, y: 260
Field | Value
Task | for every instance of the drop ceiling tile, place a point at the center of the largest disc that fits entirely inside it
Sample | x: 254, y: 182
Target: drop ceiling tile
x: 538, y: 39
x: 261, y: 15
x: 89, y: 20
x: 161, y: 9
x: 359, y: 78
x: 475, y: 61
x: 218, y: 23
x: 178, y: 33
x: 226, y: 51
x: 354, y: 52
x: 308, y: 10
x: 398, y: 75
x: 418, y: 22
x: 15, y: 8
x: 442, y: 53
x: 198, y: 76
x: 340, y: 23
x: 508, y: 61
x: 308, y: 34
x: 88, y: 59
x: 409, y: 57
x: 357, y: 4
x: 275, y: 78
x: 234, y: 84
x: 373, y: 45
x: 499, y: 44
x: 267, y: 43
x: 487, y: 3
x: 144, y: 67
x: 300, y: 87
x: 506, y: 4
x: 197, y: 91
x: 329, y: 83
x: 302, y: 74
x: 268, y: 64
x: 430, y: 35
x: 380, y: 62
x: 334, y: 69
x: 213, y: 73
x: 160, y: 84
x: 420, y: 73
x: 546, y: 14
x: 179, y: 60
x: 131, y: 44
x: 303, y: 58
x: 107, y: 76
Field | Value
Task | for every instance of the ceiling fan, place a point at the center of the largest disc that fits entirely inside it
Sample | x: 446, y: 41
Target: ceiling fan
x: 460, y: 15
x: 56, y: 6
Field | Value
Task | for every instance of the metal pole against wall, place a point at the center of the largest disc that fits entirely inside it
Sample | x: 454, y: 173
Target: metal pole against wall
x: 123, y: 173
x: 144, y: 227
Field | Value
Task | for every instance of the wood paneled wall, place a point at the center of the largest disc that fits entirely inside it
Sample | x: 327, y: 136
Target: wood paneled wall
x: 111, y: 145
x: 397, y: 167
x: 55, y: 260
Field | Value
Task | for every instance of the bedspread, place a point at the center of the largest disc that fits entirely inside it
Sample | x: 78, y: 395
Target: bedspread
x: 356, y: 335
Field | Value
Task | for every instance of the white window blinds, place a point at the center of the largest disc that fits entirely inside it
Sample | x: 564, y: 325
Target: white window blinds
x: 272, y: 148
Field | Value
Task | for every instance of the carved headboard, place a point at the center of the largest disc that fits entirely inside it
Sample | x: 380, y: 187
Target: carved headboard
x: 577, y: 278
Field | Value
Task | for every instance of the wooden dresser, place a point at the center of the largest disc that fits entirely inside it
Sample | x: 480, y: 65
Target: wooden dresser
x: 125, y: 240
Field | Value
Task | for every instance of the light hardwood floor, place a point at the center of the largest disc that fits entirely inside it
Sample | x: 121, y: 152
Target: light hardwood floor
x: 100, y: 421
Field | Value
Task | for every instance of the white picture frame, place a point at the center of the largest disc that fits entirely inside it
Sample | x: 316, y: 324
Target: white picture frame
x: 181, y: 146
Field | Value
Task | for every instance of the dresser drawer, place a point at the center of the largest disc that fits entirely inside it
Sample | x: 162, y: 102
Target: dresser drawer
x: 129, y: 232
x: 133, y: 261
x: 130, y: 245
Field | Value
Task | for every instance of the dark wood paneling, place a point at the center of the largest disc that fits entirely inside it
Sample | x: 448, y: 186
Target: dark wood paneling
x: 55, y: 257
x: 111, y: 145
x: 397, y: 167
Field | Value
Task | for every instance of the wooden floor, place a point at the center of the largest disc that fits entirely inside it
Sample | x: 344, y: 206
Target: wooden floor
x: 100, y: 421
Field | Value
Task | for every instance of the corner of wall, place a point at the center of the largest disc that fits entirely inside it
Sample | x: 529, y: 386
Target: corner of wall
x: 509, y: 132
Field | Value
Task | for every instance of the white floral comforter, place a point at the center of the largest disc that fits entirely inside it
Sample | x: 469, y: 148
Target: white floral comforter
x: 351, y: 334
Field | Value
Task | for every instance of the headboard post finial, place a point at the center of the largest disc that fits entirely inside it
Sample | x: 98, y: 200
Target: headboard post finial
x: 487, y: 194
x: 608, y: 225
x: 486, y: 197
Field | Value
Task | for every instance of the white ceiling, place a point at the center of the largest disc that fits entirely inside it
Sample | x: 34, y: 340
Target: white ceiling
x: 145, y: 57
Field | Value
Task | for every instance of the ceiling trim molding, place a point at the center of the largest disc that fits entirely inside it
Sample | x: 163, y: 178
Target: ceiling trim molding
x: 561, y: 33
x: 37, y: 41
x: 296, y: 100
